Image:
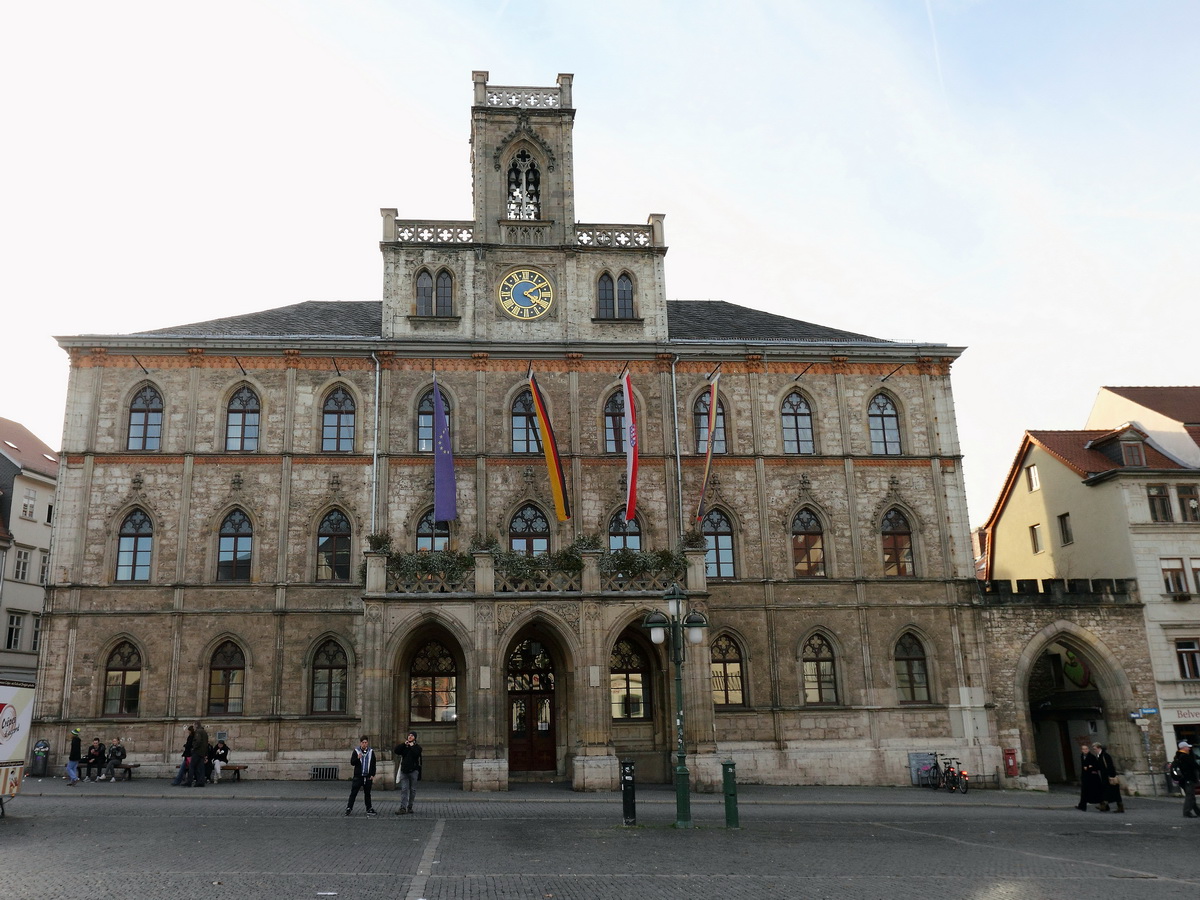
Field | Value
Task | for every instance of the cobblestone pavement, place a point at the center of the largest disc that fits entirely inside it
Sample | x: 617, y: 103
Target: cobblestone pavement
x: 146, y: 839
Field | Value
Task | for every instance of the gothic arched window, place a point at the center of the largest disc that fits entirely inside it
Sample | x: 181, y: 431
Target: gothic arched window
x: 145, y: 420
x: 700, y: 423
x: 614, y: 423
x: 333, y: 547
x: 226, y: 680
x: 329, y: 678
x: 629, y: 681
x: 235, y: 547
x: 820, y: 673
x: 884, y: 423
x: 808, y: 545
x: 444, y: 299
x: 123, y: 681
x: 726, y: 657
x: 433, y: 685
x: 606, y: 307
x: 797, y: 424
x: 134, y: 545
x: 529, y: 532
x: 424, y: 293
x: 718, y: 539
x: 897, y: 545
x: 624, y: 297
x: 624, y: 534
x: 432, y: 535
x: 912, y: 674
x: 241, y: 420
x: 426, y: 427
x: 524, y: 199
x: 525, y: 438
x: 337, y: 421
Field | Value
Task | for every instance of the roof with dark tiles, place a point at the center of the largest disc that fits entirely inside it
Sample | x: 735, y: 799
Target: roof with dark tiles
x: 1179, y: 403
x: 1072, y: 448
x: 687, y: 320
x: 26, y: 449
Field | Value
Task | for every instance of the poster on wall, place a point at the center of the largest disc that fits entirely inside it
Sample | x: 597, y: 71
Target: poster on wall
x: 16, y: 714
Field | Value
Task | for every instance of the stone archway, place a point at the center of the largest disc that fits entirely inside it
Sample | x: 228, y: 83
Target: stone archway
x: 535, y: 716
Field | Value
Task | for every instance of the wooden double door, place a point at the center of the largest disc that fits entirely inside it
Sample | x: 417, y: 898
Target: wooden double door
x: 532, y: 746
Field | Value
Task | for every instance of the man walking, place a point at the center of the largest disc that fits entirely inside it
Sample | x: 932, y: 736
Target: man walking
x: 199, y: 755
x: 408, y: 760
x: 1189, y: 776
x: 363, y: 761
x: 73, y: 757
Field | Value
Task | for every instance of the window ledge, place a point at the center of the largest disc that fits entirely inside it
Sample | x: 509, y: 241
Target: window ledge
x: 596, y: 320
x: 415, y: 318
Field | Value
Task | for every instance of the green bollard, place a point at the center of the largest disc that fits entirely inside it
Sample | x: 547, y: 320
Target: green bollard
x: 729, y: 779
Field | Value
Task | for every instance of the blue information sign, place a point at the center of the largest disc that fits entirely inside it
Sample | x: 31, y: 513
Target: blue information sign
x: 1149, y: 710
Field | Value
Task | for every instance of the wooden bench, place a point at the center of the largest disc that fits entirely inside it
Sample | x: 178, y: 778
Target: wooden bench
x: 237, y: 770
x: 128, y: 767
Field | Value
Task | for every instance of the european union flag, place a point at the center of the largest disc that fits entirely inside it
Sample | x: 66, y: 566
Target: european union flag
x: 445, y: 492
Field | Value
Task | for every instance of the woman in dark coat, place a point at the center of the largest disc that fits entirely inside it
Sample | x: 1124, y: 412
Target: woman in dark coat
x: 1108, y: 780
x: 1091, y: 787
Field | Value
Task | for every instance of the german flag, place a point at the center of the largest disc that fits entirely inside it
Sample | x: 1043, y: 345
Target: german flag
x: 558, y: 483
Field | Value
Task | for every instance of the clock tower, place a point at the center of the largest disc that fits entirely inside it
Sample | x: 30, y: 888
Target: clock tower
x: 523, y: 268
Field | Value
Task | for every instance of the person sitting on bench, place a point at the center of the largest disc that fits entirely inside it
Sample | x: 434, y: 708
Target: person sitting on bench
x: 116, y: 757
x: 219, y: 757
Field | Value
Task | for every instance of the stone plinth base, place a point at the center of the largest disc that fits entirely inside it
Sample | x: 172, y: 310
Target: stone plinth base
x: 596, y: 773
x: 1031, y: 782
x: 706, y: 773
x: 485, y: 775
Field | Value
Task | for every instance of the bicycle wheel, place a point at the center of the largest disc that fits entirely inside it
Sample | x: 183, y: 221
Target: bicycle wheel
x: 935, y: 777
x: 951, y: 780
x: 962, y: 783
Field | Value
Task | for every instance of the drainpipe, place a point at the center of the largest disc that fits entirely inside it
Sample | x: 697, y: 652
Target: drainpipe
x: 678, y: 460
x: 375, y: 450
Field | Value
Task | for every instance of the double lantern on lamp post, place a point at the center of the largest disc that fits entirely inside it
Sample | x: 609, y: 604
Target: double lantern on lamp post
x: 693, y: 623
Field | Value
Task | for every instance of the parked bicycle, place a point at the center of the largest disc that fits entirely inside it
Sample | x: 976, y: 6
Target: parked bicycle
x: 932, y: 775
x: 955, y: 778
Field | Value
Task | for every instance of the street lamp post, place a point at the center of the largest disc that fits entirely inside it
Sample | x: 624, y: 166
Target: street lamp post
x: 693, y: 624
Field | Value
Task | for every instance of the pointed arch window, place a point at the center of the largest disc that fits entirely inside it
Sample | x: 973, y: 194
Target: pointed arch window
x: 525, y: 438
x: 820, y: 672
x: 227, y: 680
x: 337, y: 422
x: 235, y: 547
x: 135, y: 543
x: 726, y: 663
x: 529, y: 532
x: 614, y: 423
x: 897, y: 545
x: 624, y: 297
x: 700, y: 424
x: 884, y: 424
x: 333, y: 547
x: 606, y: 296
x: 808, y: 545
x: 123, y: 681
x: 797, y: 425
x: 912, y: 674
x: 426, y: 430
x: 524, y: 200
x: 718, y: 539
x: 145, y: 420
x: 629, y: 681
x: 435, y: 297
x: 241, y: 420
x: 433, y: 685
x: 424, y: 293
x: 330, y: 671
x: 432, y: 535
x: 624, y: 534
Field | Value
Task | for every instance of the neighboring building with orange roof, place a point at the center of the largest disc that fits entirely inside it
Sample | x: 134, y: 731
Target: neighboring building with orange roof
x: 1089, y: 511
x: 28, y: 472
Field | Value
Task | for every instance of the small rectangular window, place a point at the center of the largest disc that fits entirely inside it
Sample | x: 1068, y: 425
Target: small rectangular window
x: 1064, y: 529
x: 29, y: 503
x: 1174, y: 578
x: 1196, y: 574
x: 44, y: 571
x: 1160, y: 502
x: 21, y: 566
x: 49, y: 513
x: 1188, y: 655
x: 1031, y: 478
x: 1132, y: 453
x: 12, y: 640
x: 35, y: 637
x: 1035, y: 538
x: 1189, y: 502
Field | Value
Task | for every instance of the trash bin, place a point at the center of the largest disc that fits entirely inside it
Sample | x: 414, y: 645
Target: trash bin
x: 41, y: 752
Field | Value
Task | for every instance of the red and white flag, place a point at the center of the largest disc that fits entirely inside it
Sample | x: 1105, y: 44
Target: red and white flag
x: 631, y: 447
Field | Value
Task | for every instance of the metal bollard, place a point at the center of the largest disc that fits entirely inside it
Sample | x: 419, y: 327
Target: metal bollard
x: 628, y: 797
x: 729, y: 779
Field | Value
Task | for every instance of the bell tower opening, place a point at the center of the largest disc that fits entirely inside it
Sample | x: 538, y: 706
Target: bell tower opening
x: 524, y: 187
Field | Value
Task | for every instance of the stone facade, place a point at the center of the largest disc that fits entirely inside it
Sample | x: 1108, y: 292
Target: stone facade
x: 846, y: 718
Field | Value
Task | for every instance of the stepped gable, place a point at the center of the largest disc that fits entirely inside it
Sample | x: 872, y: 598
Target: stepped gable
x: 312, y: 319
x: 718, y: 320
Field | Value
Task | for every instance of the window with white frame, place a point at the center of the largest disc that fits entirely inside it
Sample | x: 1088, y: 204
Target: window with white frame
x: 1160, y: 502
x: 1036, y: 541
x: 29, y: 503
x: 1132, y: 453
x: 1174, y: 577
x: 1187, y: 652
x: 16, y: 623
x: 1189, y: 502
x: 21, y: 565
x: 1196, y: 574
x: 44, y: 570
x: 35, y: 635
x: 1065, y: 534
x: 1031, y: 478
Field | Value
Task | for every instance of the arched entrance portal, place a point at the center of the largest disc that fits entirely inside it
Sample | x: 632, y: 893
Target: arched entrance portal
x: 532, y: 746
x: 1065, y: 708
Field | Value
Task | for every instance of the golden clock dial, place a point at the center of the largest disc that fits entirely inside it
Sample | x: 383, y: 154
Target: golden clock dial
x: 526, y: 294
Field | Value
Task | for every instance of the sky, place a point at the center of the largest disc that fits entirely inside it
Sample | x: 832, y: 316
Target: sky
x: 1016, y: 177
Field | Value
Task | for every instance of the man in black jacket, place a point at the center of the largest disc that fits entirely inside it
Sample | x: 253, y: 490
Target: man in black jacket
x: 199, y: 755
x: 74, y: 755
x: 1189, y: 777
x: 408, y: 760
x: 363, y: 761
x: 1109, y: 780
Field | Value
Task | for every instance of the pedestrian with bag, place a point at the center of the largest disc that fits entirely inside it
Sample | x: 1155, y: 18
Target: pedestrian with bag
x: 408, y: 772
x: 184, y: 775
x: 1185, y: 770
x: 1110, y: 782
x: 1091, y: 789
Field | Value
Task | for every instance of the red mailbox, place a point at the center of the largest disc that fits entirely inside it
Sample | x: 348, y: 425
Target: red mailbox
x: 1010, y: 762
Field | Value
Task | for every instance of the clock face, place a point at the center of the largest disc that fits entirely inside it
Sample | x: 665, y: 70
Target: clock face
x: 526, y: 294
